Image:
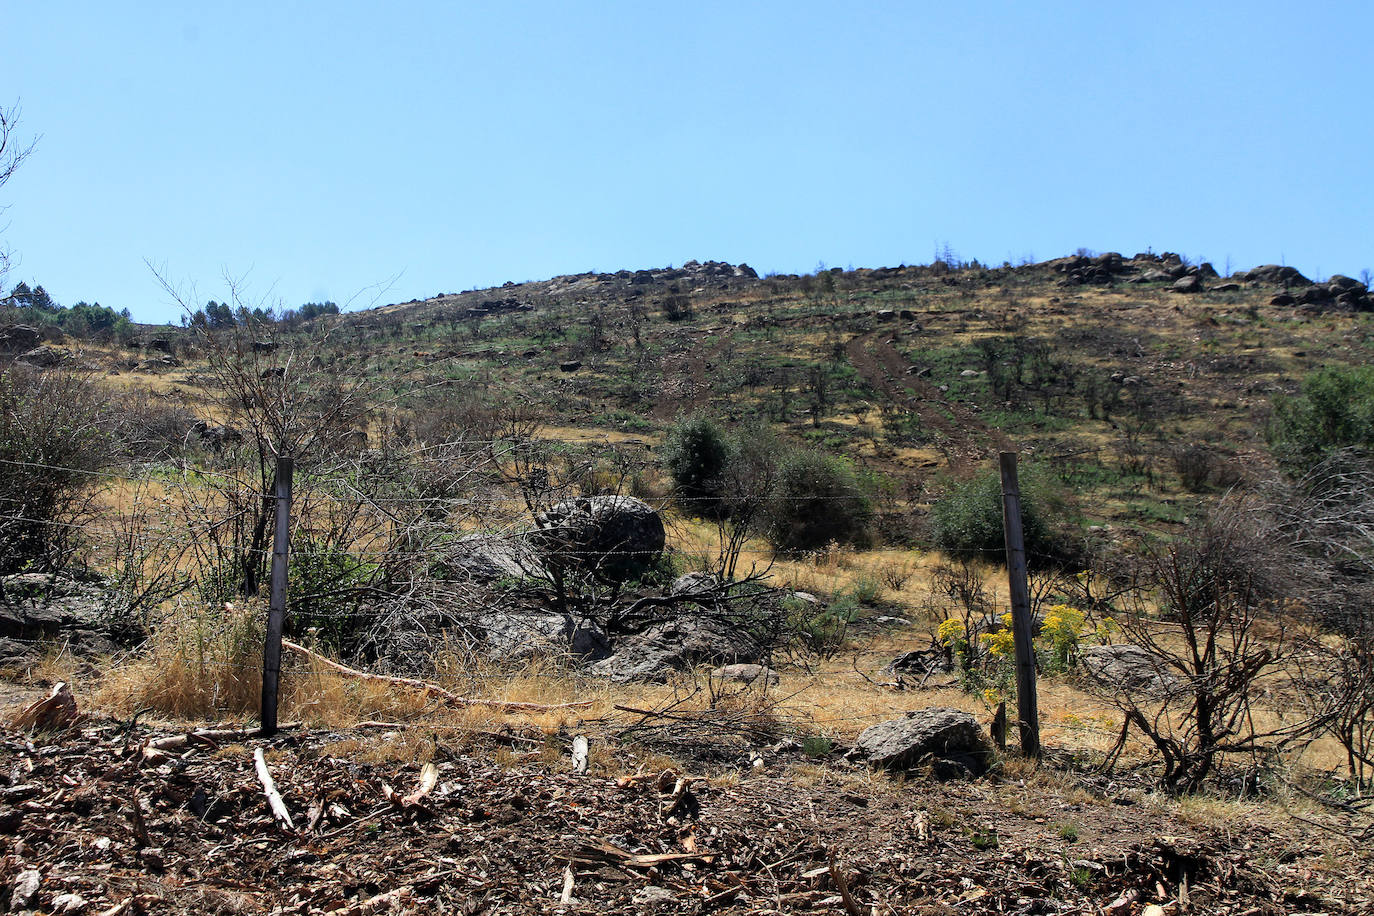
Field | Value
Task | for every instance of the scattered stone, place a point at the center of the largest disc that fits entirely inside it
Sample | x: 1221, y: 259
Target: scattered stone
x: 1190, y: 284
x: 1226, y: 288
x: 887, y: 620
x: 744, y: 673
x: 25, y: 888
x: 655, y: 896
x: 571, y: 365
x: 949, y: 739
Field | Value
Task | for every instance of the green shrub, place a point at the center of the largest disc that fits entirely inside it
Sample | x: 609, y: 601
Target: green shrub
x: 817, y: 500
x: 866, y: 589
x: 695, y: 454
x: 820, y: 630
x: 966, y: 522
x: 325, y: 586
x: 1335, y: 410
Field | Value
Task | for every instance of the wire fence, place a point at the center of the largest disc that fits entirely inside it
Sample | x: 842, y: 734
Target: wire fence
x: 367, y: 598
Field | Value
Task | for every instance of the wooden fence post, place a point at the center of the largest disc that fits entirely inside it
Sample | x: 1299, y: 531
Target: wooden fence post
x: 1027, y: 710
x: 276, y: 614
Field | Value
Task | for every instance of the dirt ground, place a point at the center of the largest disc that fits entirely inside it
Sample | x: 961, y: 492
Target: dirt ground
x: 96, y: 821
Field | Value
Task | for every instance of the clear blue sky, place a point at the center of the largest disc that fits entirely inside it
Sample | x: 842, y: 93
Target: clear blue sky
x: 318, y: 149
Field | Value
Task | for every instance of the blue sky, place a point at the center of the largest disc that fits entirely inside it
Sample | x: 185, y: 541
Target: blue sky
x: 315, y: 150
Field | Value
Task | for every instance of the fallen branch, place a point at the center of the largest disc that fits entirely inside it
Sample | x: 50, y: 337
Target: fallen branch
x: 433, y: 690
x: 157, y: 748
x: 605, y: 852
x: 269, y: 788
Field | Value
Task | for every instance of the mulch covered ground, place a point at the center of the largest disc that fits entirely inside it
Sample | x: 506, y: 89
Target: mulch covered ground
x: 95, y: 822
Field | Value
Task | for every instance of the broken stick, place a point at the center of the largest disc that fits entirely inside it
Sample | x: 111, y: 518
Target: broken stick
x: 433, y: 690
x: 269, y: 788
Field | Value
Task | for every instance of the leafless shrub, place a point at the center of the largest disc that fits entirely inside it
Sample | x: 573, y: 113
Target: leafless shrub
x: 1210, y: 609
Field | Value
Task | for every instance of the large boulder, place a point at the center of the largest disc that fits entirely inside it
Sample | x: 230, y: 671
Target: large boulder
x: 1282, y: 275
x: 45, y: 357
x: 40, y: 607
x: 949, y: 739
x: 1127, y: 667
x: 20, y: 337
x: 676, y: 645
x: 616, y: 537
x: 488, y: 558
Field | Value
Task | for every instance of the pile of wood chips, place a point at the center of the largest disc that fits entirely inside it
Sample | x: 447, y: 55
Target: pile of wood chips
x: 101, y: 817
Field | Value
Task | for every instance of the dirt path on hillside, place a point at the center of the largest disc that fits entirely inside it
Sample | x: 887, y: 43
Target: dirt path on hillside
x: 882, y: 367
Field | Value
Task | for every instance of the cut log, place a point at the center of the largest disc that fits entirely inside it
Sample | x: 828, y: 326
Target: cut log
x: 269, y: 788
x: 433, y: 690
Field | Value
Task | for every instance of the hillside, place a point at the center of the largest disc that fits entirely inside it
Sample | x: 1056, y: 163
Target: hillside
x: 691, y: 515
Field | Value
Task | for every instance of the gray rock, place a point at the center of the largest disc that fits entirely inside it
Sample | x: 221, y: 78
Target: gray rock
x: 616, y: 537
x: 20, y: 337
x: 38, y: 607
x: 1154, y: 276
x: 694, y: 583
x: 888, y: 620
x: 1273, y: 273
x: 950, y: 739
x: 675, y: 645
x: 655, y: 896
x: 742, y: 673
x: 522, y: 635
x: 487, y: 558
x: 1191, y: 284
x: 571, y: 365
x: 45, y: 357
x: 1127, y: 667
x: 920, y: 661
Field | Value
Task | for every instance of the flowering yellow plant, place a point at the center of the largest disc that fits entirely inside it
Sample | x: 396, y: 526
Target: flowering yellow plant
x: 951, y: 631
x: 1062, y: 628
x: 1001, y: 643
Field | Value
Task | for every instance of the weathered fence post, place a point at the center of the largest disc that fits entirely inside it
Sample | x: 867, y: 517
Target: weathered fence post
x: 276, y: 614
x: 1027, y: 711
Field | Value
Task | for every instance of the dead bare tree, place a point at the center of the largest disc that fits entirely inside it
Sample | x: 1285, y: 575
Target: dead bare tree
x: 13, y: 152
x: 1211, y: 611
